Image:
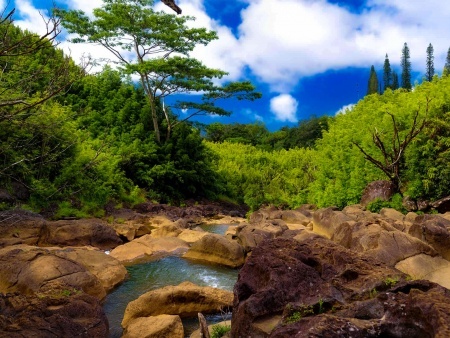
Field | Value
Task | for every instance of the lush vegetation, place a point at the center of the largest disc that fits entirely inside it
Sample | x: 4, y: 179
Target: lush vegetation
x: 72, y: 143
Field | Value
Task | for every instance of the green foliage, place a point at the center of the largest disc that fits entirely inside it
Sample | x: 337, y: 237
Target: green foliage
x: 391, y: 281
x: 220, y: 330
x: 406, y: 68
x: 395, y: 203
x: 298, y: 313
x: 430, y: 63
x: 372, y: 87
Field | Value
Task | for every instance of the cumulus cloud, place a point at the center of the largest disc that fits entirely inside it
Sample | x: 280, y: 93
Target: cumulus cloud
x: 284, y: 107
x: 345, y: 109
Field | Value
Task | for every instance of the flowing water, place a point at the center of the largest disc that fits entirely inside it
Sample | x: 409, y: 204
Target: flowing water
x: 163, y: 272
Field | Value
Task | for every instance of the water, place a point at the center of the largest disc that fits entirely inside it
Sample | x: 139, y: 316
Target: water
x: 157, y: 274
x: 215, y: 228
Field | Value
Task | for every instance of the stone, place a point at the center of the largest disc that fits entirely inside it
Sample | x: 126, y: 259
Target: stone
x: 392, y: 214
x: 81, y: 232
x: 382, y: 190
x: 196, y: 333
x: 185, y: 300
x: 167, y: 230
x: 435, y: 231
x: 155, y: 327
x: 409, y: 204
x: 20, y: 227
x: 217, y: 249
x: 283, y: 271
x: 191, y: 236
x: 327, y: 221
x: 442, y: 205
x: 147, y: 248
x: 56, y: 311
x: 27, y: 269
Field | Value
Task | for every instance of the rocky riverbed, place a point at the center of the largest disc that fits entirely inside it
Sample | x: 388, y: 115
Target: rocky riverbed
x: 305, y: 272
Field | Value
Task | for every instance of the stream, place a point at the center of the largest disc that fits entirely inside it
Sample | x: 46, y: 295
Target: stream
x: 170, y: 270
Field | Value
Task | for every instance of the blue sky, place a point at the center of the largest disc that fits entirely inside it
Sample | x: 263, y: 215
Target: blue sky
x: 307, y: 57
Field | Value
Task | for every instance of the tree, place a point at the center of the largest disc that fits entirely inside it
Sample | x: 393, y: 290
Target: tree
x: 406, y: 68
x: 160, y: 45
x: 387, y: 74
x: 447, y: 64
x: 395, y: 84
x: 372, y: 87
x: 430, y: 63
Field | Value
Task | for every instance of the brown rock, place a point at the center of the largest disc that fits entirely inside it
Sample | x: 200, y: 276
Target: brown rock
x: 81, y: 232
x: 185, y: 300
x: 167, y: 230
x: 196, y: 333
x: 28, y: 269
x: 191, y: 236
x: 20, y: 227
x: 434, y: 230
x: 217, y: 249
x: 327, y: 221
x: 155, y: 327
x: 58, y: 311
x: 383, y: 190
x: 442, y: 205
x: 147, y: 248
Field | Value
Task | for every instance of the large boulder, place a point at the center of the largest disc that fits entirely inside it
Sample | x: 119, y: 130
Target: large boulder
x: 382, y: 190
x: 217, y: 249
x: 81, y: 232
x: 28, y: 269
x: 155, y: 327
x: 185, y: 300
x: 191, y: 236
x: 58, y: 310
x: 284, y: 273
x: 20, y: 227
x: 434, y: 230
x: 167, y: 230
x: 147, y: 248
x: 327, y: 221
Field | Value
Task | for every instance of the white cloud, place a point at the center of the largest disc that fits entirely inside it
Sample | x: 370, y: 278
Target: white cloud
x: 32, y: 19
x: 284, y: 106
x: 345, y: 109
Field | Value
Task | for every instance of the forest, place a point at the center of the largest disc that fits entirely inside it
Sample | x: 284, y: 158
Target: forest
x: 74, y: 143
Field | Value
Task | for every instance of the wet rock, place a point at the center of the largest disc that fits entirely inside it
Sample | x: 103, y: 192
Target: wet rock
x: 382, y: 190
x: 155, y: 327
x: 147, y: 248
x: 217, y: 249
x: 56, y: 311
x: 435, y: 231
x: 81, y: 232
x: 185, y: 300
x: 20, y: 227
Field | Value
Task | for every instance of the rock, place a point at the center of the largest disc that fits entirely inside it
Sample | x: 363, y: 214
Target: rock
x: 414, y: 309
x: 81, y: 232
x: 327, y: 221
x: 295, y: 217
x: 409, y: 204
x: 392, y: 214
x: 442, y: 205
x: 167, y: 230
x: 434, y: 230
x: 217, y: 249
x: 20, y: 227
x: 57, y: 311
x: 109, y: 271
x: 191, y: 236
x: 147, y: 248
x: 28, y: 269
x: 284, y: 271
x: 382, y: 190
x: 155, y: 327
x: 185, y: 300
x: 434, y: 269
x: 380, y: 241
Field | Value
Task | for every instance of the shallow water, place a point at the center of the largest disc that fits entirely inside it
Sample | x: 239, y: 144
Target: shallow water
x: 167, y: 271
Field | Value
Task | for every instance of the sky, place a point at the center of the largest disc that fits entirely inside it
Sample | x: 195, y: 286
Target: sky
x: 307, y: 57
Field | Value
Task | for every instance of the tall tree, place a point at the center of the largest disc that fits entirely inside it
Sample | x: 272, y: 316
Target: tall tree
x: 387, y: 73
x: 395, y: 84
x: 430, y: 63
x: 447, y: 64
x: 372, y: 87
x: 156, y: 47
x: 406, y: 68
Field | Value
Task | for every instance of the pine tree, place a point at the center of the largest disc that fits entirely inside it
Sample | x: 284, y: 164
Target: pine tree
x: 373, y: 82
x: 447, y: 64
x: 406, y: 68
x: 395, y: 84
x: 430, y: 63
x: 387, y: 74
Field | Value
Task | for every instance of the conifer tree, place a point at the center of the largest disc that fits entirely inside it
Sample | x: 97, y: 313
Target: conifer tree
x: 430, y: 63
x: 387, y: 74
x: 373, y: 82
x: 447, y: 64
x: 406, y: 68
x: 395, y: 84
